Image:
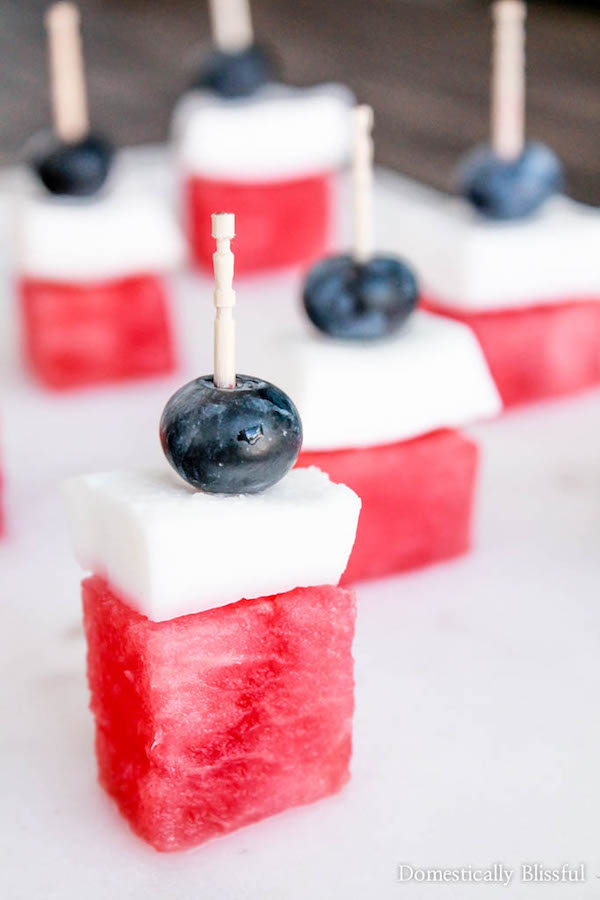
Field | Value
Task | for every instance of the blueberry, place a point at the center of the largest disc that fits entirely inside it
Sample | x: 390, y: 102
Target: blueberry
x: 237, y: 441
x: 510, y: 189
x: 236, y: 74
x: 76, y: 169
x: 360, y: 301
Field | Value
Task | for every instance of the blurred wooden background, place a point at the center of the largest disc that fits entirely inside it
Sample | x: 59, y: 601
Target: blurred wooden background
x: 423, y: 64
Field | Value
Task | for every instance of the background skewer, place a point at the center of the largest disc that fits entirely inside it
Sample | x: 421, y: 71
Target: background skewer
x: 69, y: 100
x: 508, y: 79
x: 231, y: 24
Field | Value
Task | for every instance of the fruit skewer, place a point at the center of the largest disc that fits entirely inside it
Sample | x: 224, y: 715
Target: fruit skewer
x: 92, y: 244
x: 214, y: 711
x: 400, y: 382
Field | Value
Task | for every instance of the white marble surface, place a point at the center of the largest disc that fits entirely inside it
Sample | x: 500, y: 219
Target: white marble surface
x: 477, y: 727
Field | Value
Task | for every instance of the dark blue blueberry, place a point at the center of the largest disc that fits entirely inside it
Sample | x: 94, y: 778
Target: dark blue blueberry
x: 75, y: 170
x: 360, y: 301
x: 237, y: 441
x: 236, y: 74
x: 510, y: 189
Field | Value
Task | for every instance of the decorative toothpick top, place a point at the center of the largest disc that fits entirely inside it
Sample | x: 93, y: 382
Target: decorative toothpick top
x: 223, y: 230
x: 362, y: 183
x: 231, y: 24
x: 508, y: 79
x: 67, y: 80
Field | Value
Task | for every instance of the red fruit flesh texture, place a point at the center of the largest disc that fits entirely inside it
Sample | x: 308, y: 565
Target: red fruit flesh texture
x: 78, y: 334
x: 538, y: 352
x: 417, y: 498
x: 277, y: 224
x: 215, y: 720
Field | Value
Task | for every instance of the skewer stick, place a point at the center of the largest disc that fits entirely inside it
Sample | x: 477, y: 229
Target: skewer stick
x: 223, y: 230
x: 362, y: 184
x: 508, y: 79
x: 67, y: 80
x: 231, y: 24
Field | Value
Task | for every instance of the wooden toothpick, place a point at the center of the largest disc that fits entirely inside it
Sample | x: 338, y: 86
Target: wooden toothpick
x: 508, y: 79
x: 223, y: 230
x: 231, y: 24
x: 67, y: 80
x: 362, y: 183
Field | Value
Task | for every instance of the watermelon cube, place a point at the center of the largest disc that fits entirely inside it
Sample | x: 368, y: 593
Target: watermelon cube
x: 279, y: 223
x: 214, y: 720
x: 83, y: 333
x: 417, y: 500
x: 538, y: 352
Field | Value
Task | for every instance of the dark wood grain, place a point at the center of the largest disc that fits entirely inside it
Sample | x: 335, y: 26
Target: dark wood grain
x: 423, y: 64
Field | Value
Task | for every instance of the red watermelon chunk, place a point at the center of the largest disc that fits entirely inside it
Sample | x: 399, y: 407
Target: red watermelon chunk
x: 212, y: 721
x: 89, y: 333
x: 538, y: 352
x: 278, y: 224
x: 417, y: 498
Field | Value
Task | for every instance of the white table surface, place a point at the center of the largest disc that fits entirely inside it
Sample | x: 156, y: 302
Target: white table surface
x: 477, y: 736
